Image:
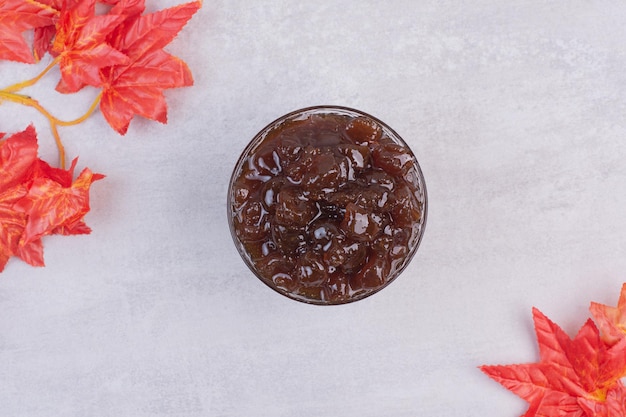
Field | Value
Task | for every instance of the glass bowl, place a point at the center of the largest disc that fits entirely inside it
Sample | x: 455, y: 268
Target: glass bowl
x: 327, y: 205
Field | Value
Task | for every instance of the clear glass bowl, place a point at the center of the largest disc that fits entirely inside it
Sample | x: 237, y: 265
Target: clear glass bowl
x: 327, y: 205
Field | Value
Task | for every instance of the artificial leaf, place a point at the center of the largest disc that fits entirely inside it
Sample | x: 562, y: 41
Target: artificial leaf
x: 16, y: 17
x: 31, y: 253
x: 63, y: 176
x: 611, y: 320
x: 80, y: 42
x: 49, y: 205
x: 136, y: 88
x: 18, y: 153
x: 12, y: 223
x: 37, y: 200
x: 131, y: 10
x: 153, y: 31
x: 613, y: 406
x: 569, y: 370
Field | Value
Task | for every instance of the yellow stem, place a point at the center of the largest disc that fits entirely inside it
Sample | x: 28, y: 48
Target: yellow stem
x: 92, y: 108
x: 54, y: 122
x: 19, y: 86
x: 31, y: 102
x: 59, y: 143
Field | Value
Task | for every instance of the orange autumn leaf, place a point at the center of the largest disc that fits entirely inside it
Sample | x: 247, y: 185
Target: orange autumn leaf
x: 43, y: 37
x: 49, y: 205
x: 136, y: 88
x: 12, y: 225
x: 136, y: 91
x: 614, y: 406
x: 80, y: 43
x: 18, y: 154
x: 16, y: 17
x: 611, y: 320
x: 572, y: 376
x: 37, y: 200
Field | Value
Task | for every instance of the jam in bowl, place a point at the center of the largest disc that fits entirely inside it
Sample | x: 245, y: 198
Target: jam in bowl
x: 327, y: 205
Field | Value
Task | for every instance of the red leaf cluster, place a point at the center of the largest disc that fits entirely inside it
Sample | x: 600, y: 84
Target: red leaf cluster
x: 37, y: 200
x: 107, y: 44
x: 574, y: 377
x: 119, y: 51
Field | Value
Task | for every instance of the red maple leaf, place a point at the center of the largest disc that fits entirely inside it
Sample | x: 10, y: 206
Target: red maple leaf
x: 572, y: 376
x: 136, y: 87
x: 49, y: 205
x: 80, y: 42
x: 18, y: 153
x: 611, y: 320
x: 36, y: 199
x: 12, y: 225
x: 16, y: 17
x: 614, y: 406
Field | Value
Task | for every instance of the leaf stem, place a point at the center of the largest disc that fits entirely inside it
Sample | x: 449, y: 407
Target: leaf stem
x: 54, y: 121
x: 92, y: 108
x: 21, y: 85
x: 59, y: 143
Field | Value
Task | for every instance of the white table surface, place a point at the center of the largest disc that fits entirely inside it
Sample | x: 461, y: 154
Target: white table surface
x: 516, y: 113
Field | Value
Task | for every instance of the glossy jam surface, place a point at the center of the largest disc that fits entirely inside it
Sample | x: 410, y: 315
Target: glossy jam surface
x: 327, y: 208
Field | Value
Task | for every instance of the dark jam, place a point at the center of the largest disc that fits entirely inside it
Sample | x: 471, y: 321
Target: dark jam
x: 327, y: 207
